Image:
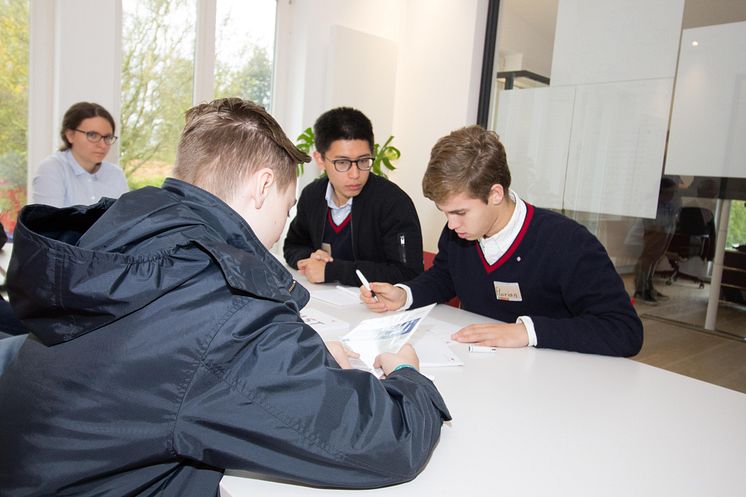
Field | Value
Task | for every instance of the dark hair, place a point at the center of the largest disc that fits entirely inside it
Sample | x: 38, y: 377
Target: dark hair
x: 77, y: 113
x: 469, y: 160
x: 227, y: 140
x: 342, y: 123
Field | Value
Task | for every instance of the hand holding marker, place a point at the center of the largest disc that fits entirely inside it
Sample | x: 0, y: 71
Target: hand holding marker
x: 365, y: 283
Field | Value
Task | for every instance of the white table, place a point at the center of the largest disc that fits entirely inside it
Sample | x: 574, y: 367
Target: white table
x: 540, y: 422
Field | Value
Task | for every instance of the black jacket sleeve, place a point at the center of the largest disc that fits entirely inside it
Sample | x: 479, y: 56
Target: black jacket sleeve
x: 387, y: 238
x: 269, y: 398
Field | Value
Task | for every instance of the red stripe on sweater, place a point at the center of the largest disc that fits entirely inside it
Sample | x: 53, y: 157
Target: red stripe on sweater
x: 338, y: 228
x: 513, y: 246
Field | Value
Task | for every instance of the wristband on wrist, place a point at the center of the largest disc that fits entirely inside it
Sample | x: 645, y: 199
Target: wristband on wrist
x: 402, y: 366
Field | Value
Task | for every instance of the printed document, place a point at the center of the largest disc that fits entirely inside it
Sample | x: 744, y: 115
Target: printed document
x: 385, y: 334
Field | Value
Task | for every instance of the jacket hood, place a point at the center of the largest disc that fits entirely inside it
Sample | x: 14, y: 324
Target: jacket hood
x: 76, y: 269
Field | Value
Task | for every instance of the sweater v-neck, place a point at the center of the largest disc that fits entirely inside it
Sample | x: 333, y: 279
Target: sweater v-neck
x: 513, y: 246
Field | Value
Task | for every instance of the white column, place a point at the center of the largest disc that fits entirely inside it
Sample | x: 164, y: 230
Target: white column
x: 204, y: 52
x: 88, y: 54
x: 42, y: 129
x: 717, y: 266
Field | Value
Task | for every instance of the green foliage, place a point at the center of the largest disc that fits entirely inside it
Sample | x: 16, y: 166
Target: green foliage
x: 135, y: 183
x: 252, y: 81
x: 13, y: 169
x: 383, y: 155
x: 737, y: 224
x: 14, y: 60
x: 304, y: 142
x: 157, y: 79
x: 157, y: 83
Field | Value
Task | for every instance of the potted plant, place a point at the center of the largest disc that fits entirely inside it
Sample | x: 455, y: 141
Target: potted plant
x: 383, y: 155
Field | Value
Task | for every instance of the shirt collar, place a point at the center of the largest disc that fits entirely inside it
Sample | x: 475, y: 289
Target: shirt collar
x: 77, y: 169
x: 330, y: 199
x: 495, y: 246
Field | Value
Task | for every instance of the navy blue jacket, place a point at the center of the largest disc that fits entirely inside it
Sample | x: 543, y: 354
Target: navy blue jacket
x: 166, y: 347
x: 386, y: 234
x: 569, y: 287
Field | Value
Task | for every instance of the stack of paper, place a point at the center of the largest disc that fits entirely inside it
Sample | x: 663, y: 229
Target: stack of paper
x: 385, y: 334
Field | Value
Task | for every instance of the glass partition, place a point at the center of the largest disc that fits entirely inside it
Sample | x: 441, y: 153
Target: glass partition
x: 662, y: 237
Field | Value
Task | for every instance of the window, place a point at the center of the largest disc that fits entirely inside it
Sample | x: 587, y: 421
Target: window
x: 243, y: 65
x: 157, y: 79
x: 14, y: 61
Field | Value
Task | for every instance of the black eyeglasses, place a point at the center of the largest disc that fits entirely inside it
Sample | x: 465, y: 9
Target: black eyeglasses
x: 344, y: 165
x: 94, y: 137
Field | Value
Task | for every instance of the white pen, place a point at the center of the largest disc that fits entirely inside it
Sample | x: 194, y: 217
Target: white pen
x: 365, y: 283
x: 482, y: 348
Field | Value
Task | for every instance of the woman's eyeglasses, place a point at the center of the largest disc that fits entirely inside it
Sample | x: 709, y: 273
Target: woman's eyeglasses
x: 94, y: 137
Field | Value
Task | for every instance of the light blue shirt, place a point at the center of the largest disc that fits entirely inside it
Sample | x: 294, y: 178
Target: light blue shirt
x: 339, y: 213
x: 61, y: 182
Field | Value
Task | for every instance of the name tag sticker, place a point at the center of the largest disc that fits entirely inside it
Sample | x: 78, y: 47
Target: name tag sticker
x: 508, y: 291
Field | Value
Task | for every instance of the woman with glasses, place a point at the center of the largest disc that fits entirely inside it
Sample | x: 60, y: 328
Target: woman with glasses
x: 77, y: 174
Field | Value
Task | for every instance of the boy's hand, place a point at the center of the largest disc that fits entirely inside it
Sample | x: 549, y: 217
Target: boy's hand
x: 388, y: 297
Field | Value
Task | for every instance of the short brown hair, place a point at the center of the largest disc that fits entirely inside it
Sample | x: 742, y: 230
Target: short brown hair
x: 469, y: 160
x: 79, y: 112
x: 227, y: 140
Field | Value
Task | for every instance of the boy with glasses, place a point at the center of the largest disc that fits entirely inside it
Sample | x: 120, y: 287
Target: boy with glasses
x: 349, y: 218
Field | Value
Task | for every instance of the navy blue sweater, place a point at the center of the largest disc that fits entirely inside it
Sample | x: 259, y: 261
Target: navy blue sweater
x: 569, y: 287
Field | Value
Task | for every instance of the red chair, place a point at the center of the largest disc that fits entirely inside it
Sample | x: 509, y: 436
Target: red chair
x: 427, y: 260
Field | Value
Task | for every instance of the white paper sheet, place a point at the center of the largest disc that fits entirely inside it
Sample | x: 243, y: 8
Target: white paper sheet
x: 338, y: 296
x: 434, y: 351
x: 385, y: 334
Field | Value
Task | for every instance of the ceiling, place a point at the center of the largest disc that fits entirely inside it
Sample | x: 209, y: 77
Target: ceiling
x: 543, y: 13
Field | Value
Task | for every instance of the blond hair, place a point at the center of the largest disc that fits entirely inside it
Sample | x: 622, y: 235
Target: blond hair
x: 227, y: 140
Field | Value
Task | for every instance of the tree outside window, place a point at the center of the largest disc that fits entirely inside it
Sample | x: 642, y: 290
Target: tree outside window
x: 158, y: 41
x: 157, y: 80
x: 14, y: 60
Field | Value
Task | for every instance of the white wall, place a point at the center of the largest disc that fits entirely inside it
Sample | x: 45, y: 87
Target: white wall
x: 438, y: 66
x: 437, y: 90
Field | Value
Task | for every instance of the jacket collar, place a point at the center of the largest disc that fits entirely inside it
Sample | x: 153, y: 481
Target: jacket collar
x: 235, y: 239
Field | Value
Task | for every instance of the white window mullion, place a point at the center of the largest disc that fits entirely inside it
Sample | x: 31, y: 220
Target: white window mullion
x: 204, y: 52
